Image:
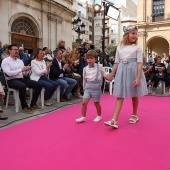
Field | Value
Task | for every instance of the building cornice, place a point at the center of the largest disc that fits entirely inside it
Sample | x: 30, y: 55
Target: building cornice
x: 160, y: 23
x: 128, y: 21
x: 52, y: 16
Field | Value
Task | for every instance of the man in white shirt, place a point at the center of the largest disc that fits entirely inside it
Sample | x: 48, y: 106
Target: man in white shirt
x: 14, y: 69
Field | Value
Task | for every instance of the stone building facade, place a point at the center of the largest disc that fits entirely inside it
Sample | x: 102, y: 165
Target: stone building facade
x: 36, y: 23
x: 153, y: 20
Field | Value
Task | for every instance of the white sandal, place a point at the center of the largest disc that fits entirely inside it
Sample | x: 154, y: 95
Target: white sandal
x: 112, y: 123
x: 133, y: 119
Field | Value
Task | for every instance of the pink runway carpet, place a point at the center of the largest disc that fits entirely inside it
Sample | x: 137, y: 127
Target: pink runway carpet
x: 57, y: 142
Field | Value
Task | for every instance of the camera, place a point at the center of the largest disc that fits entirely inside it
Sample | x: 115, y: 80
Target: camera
x: 82, y: 50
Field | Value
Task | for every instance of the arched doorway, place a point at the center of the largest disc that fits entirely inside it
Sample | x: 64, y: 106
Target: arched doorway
x: 158, y: 45
x: 23, y: 34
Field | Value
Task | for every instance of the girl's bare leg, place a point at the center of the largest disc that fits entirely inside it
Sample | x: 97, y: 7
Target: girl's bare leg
x: 118, y: 107
x: 135, y: 102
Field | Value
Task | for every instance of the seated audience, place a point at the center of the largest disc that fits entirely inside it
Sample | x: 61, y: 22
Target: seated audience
x: 160, y: 73
x: 57, y: 73
x: 2, y: 94
x: 14, y: 69
x: 107, y: 63
x: 71, y: 72
x: 40, y: 72
x: 24, y: 57
x: 47, y: 56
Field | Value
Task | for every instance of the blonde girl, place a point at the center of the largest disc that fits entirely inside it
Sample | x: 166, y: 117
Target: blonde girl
x: 129, y: 78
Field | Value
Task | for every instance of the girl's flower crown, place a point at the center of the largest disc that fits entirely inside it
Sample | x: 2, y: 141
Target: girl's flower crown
x: 129, y: 28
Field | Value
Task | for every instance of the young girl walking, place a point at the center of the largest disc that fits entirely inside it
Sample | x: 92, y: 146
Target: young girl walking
x: 129, y: 80
x: 92, y: 77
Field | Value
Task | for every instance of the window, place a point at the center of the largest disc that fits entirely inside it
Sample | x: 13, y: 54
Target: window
x: 86, y: 32
x: 97, y: 33
x: 113, y: 41
x: 97, y: 24
x: 79, y: 13
x: 98, y: 14
x: 22, y: 26
x: 97, y: 41
x: 158, y: 7
x: 113, y: 31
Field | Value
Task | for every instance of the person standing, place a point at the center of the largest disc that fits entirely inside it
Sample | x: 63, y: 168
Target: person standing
x: 14, y: 69
x: 92, y: 78
x: 129, y: 80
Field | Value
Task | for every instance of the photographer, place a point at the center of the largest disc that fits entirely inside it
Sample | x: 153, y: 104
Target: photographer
x: 82, y: 59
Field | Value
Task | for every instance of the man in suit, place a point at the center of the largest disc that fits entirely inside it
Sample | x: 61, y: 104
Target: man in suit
x: 57, y: 71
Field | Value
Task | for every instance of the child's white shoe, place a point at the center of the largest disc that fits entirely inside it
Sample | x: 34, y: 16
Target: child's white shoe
x: 79, y: 120
x: 97, y: 119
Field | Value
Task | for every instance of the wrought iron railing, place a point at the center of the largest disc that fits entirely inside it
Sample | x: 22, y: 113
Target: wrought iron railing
x: 160, y: 17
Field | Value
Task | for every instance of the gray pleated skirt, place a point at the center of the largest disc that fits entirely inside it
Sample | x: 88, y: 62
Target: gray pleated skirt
x: 124, y: 80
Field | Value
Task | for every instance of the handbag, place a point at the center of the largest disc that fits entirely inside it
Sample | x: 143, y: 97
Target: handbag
x: 2, y: 93
x: 74, y: 75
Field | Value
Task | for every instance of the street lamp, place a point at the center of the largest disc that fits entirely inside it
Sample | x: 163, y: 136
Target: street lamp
x: 109, y: 10
x: 78, y: 27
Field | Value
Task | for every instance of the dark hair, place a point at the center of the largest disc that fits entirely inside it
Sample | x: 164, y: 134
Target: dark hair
x: 36, y: 52
x: 44, y: 48
x: 12, y: 45
x: 85, y: 43
x: 56, y: 50
x: 156, y: 58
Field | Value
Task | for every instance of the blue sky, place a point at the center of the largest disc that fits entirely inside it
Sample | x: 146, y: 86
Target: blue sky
x: 135, y: 1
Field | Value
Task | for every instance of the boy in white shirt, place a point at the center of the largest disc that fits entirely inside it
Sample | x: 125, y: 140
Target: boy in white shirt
x: 92, y: 78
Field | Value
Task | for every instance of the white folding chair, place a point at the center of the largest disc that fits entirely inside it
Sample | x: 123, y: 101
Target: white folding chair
x: 16, y: 97
x: 107, y: 71
x: 57, y: 94
x: 160, y: 85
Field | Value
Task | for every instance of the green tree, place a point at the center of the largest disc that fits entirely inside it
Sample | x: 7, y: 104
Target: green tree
x: 111, y: 50
x: 79, y: 40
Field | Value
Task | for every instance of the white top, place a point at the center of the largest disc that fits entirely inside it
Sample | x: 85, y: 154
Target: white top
x: 129, y: 51
x: 13, y: 68
x: 59, y: 63
x: 89, y: 73
x: 48, y: 57
x: 38, y: 68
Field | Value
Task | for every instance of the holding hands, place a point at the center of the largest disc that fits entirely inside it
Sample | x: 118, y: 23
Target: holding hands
x: 109, y: 77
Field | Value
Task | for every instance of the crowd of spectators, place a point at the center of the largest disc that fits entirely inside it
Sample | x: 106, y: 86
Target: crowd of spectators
x: 43, y: 69
x: 156, y: 70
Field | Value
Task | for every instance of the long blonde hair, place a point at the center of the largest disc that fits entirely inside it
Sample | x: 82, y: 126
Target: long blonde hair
x: 127, y: 30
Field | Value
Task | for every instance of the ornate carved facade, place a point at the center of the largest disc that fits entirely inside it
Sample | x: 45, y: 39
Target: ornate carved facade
x: 36, y: 23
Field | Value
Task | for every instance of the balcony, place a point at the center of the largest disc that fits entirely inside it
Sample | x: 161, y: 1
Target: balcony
x: 160, y: 17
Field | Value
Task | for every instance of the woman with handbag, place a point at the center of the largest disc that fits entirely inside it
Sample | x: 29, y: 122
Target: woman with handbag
x: 71, y: 72
x: 39, y: 73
